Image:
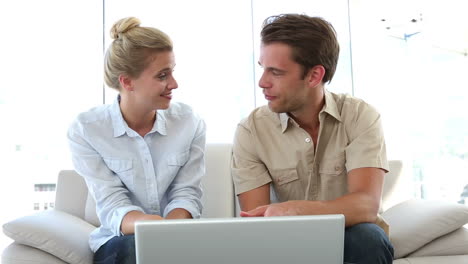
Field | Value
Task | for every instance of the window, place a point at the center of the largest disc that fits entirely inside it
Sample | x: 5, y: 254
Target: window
x: 410, y: 60
x: 47, y: 187
x: 51, y: 60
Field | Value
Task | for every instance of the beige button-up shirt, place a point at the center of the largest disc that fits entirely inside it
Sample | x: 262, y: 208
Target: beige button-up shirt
x: 272, y: 148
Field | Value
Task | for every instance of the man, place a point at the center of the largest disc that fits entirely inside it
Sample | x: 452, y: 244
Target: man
x: 323, y: 153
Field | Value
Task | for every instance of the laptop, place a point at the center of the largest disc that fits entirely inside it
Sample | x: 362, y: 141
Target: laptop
x: 272, y: 240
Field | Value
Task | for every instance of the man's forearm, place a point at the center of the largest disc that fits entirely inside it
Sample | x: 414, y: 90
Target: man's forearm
x: 358, y: 207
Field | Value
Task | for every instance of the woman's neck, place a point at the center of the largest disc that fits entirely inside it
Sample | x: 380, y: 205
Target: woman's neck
x: 140, y: 120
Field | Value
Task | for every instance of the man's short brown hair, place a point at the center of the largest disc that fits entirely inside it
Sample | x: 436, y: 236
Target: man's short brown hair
x: 312, y: 39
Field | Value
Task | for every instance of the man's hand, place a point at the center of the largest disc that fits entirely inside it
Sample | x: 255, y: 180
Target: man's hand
x: 277, y: 209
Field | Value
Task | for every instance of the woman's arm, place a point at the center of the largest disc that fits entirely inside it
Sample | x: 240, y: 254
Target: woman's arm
x: 128, y: 222
x: 184, y: 193
x: 110, y: 195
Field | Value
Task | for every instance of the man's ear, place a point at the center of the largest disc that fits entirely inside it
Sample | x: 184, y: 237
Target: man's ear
x: 126, y: 82
x: 315, y: 75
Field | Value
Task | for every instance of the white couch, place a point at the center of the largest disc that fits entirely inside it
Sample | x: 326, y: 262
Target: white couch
x: 421, y: 231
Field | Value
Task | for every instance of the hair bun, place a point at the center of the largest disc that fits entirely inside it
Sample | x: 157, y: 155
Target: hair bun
x: 124, y: 25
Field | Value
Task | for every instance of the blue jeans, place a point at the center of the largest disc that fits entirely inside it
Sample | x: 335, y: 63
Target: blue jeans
x: 367, y: 244
x: 117, y: 250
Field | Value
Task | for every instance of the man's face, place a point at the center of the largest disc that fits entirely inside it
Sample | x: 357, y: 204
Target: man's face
x: 281, y: 81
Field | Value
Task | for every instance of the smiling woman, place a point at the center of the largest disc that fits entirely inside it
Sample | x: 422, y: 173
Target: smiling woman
x: 126, y: 151
x: 139, y: 65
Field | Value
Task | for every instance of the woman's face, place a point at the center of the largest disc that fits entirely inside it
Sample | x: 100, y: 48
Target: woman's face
x: 153, y: 88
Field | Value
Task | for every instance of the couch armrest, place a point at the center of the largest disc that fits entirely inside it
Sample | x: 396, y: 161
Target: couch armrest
x: 58, y: 233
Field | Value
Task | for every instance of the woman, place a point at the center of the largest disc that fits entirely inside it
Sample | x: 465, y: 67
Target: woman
x: 142, y: 157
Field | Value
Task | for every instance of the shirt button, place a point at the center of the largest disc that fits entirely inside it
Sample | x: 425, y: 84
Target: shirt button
x: 307, y: 140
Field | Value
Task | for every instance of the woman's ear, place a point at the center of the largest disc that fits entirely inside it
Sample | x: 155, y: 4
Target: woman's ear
x: 126, y: 82
x: 315, y: 75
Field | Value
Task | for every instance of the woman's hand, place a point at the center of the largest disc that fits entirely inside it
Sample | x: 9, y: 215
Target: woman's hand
x: 127, y: 227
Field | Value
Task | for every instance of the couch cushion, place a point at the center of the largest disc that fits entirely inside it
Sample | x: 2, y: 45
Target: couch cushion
x: 415, y: 223
x: 20, y: 254
x: 60, y: 234
x: 454, y: 243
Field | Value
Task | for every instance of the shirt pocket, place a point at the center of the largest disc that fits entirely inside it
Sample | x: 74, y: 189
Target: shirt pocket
x: 178, y: 159
x: 333, y: 166
x: 123, y: 168
x: 174, y: 163
x: 333, y: 178
x: 286, y: 184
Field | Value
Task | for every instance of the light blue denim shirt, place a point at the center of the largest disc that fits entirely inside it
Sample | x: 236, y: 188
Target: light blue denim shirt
x: 124, y: 171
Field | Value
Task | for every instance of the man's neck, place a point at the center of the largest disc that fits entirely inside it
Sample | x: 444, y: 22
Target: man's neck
x: 308, y: 116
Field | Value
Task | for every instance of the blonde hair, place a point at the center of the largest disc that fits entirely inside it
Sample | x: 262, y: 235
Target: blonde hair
x: 129, y: 53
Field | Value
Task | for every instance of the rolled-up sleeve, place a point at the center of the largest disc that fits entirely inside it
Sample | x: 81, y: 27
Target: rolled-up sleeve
x: 247, y: 170
x: 367, y: 144
x: 108, y: 191
x: 185, y: 190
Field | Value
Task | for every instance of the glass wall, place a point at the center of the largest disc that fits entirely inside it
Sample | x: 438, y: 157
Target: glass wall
x: 410, y: 60
x: 51, y: 67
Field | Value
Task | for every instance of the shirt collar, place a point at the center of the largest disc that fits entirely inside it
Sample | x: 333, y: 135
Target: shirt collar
x: 160, y: 123
x: 330, y: 107
x: 284, y: 119
x: 118, y: 123
x: 120, y: 126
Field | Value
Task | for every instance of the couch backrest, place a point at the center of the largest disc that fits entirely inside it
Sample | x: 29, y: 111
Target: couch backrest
x: 397, y: 186
x: 219, y: 200
x: 218, y: 189
x: 71, y: 193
